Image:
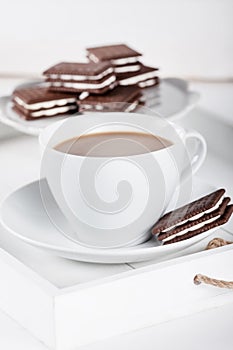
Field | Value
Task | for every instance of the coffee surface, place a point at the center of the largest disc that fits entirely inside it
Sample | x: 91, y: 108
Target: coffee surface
x: 113, y: 144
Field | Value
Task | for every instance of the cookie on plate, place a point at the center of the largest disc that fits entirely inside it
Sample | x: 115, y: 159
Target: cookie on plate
x: 39, y: 102
x: 121, y: 98
x: 96, y: 78
x: 122, y: 57
x: 145, y: 77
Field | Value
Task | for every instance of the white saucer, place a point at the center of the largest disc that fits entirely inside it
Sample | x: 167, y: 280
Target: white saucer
x: 24, y: 215
x: 174, y: 100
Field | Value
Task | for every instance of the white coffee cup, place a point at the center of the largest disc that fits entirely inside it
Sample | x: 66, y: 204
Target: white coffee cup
x: 113, y: 201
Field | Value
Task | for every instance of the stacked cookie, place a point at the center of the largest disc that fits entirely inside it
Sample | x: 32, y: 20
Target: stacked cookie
x: 81, y: 77
x: 39, y: 102
x: 120, y: 99
x: 128, y: 69
x: 112, y: 80
x: 123, y: 58
x: 192, y: 219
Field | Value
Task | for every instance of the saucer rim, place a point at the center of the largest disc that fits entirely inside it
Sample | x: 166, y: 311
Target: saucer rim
x: 98, y: 255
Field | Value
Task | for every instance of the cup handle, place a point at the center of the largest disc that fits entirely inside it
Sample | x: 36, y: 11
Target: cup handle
x: 198, y: 156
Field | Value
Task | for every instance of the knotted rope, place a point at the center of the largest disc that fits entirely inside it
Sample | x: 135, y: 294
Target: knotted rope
x: 199, y: 278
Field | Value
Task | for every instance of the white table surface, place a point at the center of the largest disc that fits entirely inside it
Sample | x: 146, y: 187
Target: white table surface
x: 208, y: 330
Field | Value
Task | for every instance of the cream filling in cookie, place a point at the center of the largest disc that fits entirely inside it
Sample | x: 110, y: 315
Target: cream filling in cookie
x: 93, y: 58
x: 126, y: 69
x: 147, y: 83
x: 98, y: 107
x: 91, y: 107
x: 52, y: 111
x: 83, y: 86
x: 138, y: 78
x: 132, y: 106
x: 119, y: 61
x: 196, y: 216
x: 193, y: 228
x: 45, y: 104
x: 76, y: 77
x: 83, y: 95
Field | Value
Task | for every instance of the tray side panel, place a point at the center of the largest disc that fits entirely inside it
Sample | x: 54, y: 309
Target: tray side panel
x: 144, y: 298
x: 25, y: 300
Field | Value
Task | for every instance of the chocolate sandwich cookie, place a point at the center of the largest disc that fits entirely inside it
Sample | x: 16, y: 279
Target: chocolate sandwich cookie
x: 194, y: 218
x: 145, y: 77
x: 222, y: 220
x: 91, y: 77
x: 39, y: 102
x: 122, y: 57
x: 208, y: 216
x: 122, y: 98
x: 60, y: 111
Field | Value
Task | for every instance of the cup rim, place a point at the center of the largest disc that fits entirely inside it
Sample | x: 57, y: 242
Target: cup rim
x: 99, y: 117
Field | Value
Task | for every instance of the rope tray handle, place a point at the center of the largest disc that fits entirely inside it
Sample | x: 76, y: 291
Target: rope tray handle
x: 199, y: 278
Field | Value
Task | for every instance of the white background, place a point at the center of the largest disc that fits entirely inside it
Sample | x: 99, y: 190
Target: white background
x: 188, y: 38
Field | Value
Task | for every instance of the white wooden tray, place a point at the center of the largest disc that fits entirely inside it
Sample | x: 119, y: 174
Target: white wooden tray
x: 67, y: 304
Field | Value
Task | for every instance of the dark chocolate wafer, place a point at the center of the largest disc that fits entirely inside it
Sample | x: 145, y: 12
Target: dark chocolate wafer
x: 114, y: 53
x: 72, y: 81
x: 188, y: 211
x: 223, y: 219
x: 118, y: 99
x: 33, y: 115
x: 101, y: 86
x: 40, y: 94
x: 39, y: 102
x: 71, y: 88
x: 80, y: 69
x: 146, y: 76
x: 190, y: 223
x: 96, y: 78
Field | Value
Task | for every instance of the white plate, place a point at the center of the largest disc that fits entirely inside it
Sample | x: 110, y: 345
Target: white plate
x: 173, y: 102
x: 24, y: 215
